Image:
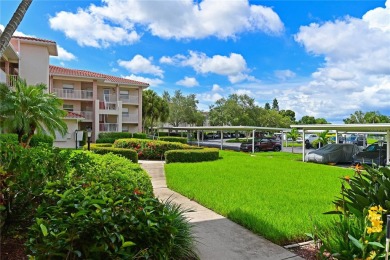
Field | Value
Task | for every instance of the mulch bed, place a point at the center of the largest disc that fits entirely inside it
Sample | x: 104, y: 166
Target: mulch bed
x: 12, y: 249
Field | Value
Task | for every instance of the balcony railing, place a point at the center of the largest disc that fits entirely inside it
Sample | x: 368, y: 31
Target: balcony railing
x: 129, y: 118
x: 108, y: 105
x: 129, y: 99
x: 73, y: 94
x: 88, y: 115
x: 10, y: 80
x: 108, y: 98
x: 108, y: 127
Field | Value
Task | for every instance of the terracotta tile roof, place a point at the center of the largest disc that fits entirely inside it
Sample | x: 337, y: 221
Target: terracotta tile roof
x: 33, y: 39
x: 73, y: 115
x: 59, y: 71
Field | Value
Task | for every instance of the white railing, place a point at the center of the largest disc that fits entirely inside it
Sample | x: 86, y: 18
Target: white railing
x: 88, y: 115
x: 10, y: 80
x: 129, y: 118
x: 108, y: 105
x: 73, y: 94
x: 108, y: 98
x: 129, y: 99
x: 108, y: 127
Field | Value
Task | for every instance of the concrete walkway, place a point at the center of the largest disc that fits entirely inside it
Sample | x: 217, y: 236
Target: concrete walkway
x: 218, y: 237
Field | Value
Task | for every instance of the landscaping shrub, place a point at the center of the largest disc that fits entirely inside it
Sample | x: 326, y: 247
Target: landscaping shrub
x: 22, y: 177
x: 150, y: 149
x: 9, y: 138
x: 40, y: 139
x: 210, y: 154
x: 111, y: 137
x: 182, y: 140
x: 360, y: 231
x: 108, y: 148
x: 99, y: 211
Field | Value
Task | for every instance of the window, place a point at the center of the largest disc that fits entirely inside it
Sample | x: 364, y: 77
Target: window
x: 125, y: 111
x: 68, y: 88
x: 67, y: 107
x: 124, y: 94
x: 125, y: 128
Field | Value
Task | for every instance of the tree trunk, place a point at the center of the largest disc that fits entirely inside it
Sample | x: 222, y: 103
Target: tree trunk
x: 13, y: 24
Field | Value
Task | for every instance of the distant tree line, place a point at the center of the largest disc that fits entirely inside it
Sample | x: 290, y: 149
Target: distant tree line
x: 235, y: 110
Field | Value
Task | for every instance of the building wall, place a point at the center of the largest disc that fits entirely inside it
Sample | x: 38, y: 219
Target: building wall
x: 69, y: 140
x: 34, y: 64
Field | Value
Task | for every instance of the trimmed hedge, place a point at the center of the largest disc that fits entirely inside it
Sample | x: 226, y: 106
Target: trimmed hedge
x: 207, y: 154
x: 182, y: 140
x: 150, y: 149
x: 112, y: 136
x: 108, y: 148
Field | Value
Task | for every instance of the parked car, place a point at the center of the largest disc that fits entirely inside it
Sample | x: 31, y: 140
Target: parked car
x: 333, y: 153
x: 263, y: 144
x: 309, y: 140
x: 370, y: 155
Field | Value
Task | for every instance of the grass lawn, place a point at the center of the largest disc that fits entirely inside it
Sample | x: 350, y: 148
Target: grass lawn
x: 272, y: 193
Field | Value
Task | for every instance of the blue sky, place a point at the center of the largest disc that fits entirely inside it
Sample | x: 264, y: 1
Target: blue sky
x: 318, y: 58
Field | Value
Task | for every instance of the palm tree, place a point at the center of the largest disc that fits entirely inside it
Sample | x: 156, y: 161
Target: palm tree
x: 154, y: 108
x: 26, y: 109
x: 9, y: 30
x: 322, y: 138
x: 294, y: 134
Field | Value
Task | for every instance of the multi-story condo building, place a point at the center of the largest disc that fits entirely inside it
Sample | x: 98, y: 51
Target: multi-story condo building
x: 94, y: 101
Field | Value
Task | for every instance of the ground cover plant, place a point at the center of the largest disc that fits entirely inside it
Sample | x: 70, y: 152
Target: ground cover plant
x: 273, y: 194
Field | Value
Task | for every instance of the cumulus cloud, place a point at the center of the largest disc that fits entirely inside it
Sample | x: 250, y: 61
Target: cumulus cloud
x: 284, y: 74
x: 216, y: 88
x: 233, y: 66
x: 188, y: 82
x: 153, y: 82
x: 64, y: 54
x: 140, y: 64
x: 125, y: 21
x: 356, y: 71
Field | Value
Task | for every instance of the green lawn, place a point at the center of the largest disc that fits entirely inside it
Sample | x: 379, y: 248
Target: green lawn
x: 274, y: 194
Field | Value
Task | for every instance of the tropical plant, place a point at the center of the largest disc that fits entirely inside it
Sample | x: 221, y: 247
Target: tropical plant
x: 293, y: 134
x: 26, y: 109
x: 154, y: 108
x: 13, y: 24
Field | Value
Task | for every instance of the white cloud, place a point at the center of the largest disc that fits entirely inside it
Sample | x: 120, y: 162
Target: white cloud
x: 284, y: 74
x: 188, y: 82
x: 118, y: 21
x: 208, y: 97
x: 216, y: 88
x: 233, y: 66
x: 243, y: 92
x: 64, y: 54
x: 152, y: 82
x: 356, y: 71
x: 140, y: 64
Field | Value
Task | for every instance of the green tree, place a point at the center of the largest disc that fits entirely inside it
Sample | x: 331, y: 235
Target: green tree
x: 27, y: 109
x: 182, y: 109
x: 321, y: 121
x: 154, y: 108
x: 293, y: 134
x: 267, y: 106
x: 275, y: 105
x: 371, y: 117
x: 13, y: 24
x: 307, y: 120
x: 356, y: 118
x: 289, y: 113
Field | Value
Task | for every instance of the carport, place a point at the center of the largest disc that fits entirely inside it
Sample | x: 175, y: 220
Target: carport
x: 223, y: 129
x: 383, y: 129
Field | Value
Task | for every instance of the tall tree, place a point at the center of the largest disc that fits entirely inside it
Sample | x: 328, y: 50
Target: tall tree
x: 359, y: 117
x: 182, y: 109
x: 154, y: 108
x: 26, y: 109
x: 307, y: 120
x: 289, y: 113
x: 275, y: 105
x: 13, y: 24
x: 267, y: 106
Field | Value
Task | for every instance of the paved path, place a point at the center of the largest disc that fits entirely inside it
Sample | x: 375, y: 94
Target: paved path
x: 218, y: 237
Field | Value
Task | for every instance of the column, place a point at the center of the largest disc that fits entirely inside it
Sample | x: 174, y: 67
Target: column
x: 140, y: 109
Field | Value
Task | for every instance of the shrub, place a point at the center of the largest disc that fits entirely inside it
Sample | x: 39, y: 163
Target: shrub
x: 40, y: 139
x: 99, y: 211
x: 108, y: 148
x: 208, y: 154
x: 23, y: 174
x: 111, y: 137
x: 149, y: 149
x: 9, y: 138
x: 182, y: 140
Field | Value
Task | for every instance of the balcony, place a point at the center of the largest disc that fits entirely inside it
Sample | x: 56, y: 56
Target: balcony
x: 73, y: 94
x: 109, y: 106
x: 108, y: 127
x: 129, y: 99
x: 129, y: 118
x: 108, y: 98
x: 10, y: 80
x: 88, y: 115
